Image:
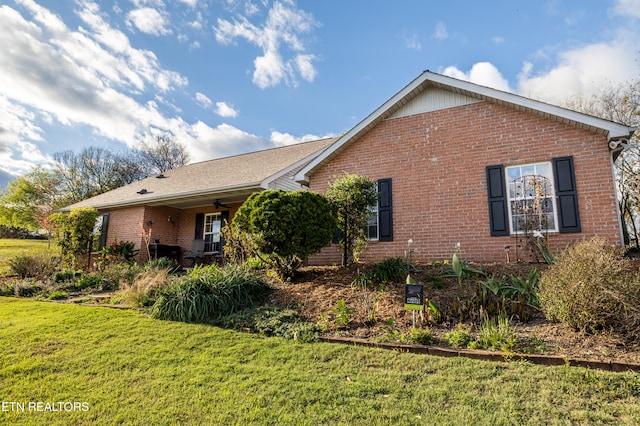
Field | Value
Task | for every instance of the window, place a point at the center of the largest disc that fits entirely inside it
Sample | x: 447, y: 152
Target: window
x: 371, y: 228
x: 100, y: 232
x: 379, y: 227
x: 211, y: 232
x: 512, y: 206
x: 531, y: 198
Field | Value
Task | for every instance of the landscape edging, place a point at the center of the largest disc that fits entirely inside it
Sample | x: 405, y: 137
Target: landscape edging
x: 549, y: 360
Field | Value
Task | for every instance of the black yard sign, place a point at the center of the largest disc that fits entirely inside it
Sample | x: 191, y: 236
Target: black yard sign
x: 414, y: 297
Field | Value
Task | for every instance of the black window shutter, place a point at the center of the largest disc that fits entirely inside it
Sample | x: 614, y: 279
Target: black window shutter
x: 224, y: 220
x: 567, y: 195
x: 103, y: 230
x: 385, y: 212
x: 199, y: 226
x: 497, y: 192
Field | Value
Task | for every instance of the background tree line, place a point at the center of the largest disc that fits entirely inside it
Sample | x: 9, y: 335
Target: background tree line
x: 30, y: 199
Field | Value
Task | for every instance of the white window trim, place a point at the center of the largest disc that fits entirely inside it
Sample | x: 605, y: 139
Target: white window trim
x: 552, y: 196
x: 218, y: 217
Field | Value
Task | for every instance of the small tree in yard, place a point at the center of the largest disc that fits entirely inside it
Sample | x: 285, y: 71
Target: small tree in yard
x: 287, y: 227
x: 74, y: 232
x: 350, y: 198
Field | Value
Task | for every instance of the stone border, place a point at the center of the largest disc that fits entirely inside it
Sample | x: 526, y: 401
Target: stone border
x: 549, y: 360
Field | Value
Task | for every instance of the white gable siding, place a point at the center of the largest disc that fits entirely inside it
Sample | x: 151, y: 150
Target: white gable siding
x: 433, y: 99
x: 286, y: 182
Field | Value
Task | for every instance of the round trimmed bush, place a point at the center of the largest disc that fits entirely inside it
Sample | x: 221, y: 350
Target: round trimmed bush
x: 592, y: 287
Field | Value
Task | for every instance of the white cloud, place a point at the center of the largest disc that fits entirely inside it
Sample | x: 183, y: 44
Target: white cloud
x: 277, y: 36
x: 191, y: 3
x: 440, y: 32
x: 90, y: 77
x: 225, y: 110
x: 198, y: 23
x: 203, y: 100
x: 305, y: 67
x: 630, y: 8
x: 413, y: 42
x: 582, y: 71
x: 482, y: 73
x: 497, y: 40
x: 149, y: 21
x: 205, y: 142
x: 282, y: 139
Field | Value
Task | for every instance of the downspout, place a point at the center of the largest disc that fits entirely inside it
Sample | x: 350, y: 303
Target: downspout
x: 613, y: 154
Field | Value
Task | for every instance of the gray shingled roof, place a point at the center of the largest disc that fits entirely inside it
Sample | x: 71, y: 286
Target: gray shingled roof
x: 230, y: 179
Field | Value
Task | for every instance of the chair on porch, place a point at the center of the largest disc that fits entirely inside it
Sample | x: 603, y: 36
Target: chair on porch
x: 196, y: 255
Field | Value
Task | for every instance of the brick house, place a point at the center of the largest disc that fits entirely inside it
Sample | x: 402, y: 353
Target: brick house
x: 193, y: 202
x: 461, y: 163
x: 455, y: 163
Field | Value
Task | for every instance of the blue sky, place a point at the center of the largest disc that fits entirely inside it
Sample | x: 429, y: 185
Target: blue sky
x: 230, y: 76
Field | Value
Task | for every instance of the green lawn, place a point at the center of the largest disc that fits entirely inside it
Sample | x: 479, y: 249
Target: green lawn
x: 122, y: 367
x: 10, y: 247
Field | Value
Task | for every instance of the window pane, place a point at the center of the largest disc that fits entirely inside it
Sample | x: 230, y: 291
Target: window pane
x: 371, y: 227
x: 212, y: 232
x: 527, y: 170
x: 544, y: 169
x: 531, y: 197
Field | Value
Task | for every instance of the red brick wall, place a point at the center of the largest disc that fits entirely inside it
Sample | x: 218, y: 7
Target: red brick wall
x: 437, y: 163
x: 170, y: 226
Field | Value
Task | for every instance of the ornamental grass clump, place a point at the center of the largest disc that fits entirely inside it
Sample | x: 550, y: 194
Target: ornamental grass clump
x: 209, y: 293
x: 593, y: 287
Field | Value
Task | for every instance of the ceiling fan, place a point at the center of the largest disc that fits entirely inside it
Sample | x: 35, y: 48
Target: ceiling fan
x: 217, y: 204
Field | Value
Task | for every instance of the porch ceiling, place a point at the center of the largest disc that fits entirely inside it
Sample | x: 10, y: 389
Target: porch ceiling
x: 202, y: 200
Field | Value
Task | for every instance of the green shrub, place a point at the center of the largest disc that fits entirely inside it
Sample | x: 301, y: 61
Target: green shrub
x: 117, y: 275
x: 65, y: 276
x: 460, y: 336
x: 7, y: 289
x: 272, y: 321
x: 419, y: 336
x: 210, y: 292
x: 256, y: 263
x: 342, y: 313
x: 118, y: 251
x: 162, y: 263
x: 592, y: 287
x: 496, y: 336
x: 26, y: 288
x: 39, y: 266
x: 85, y: 281
x: 58, y: 295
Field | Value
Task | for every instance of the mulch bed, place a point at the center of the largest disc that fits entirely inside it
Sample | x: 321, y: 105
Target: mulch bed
x: 316, y: 290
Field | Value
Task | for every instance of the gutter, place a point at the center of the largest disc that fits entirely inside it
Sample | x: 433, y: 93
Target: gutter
x: 144, y: 200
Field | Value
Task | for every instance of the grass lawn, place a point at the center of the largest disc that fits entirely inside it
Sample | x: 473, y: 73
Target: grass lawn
x: 10, y: 247
x: 122, y: 367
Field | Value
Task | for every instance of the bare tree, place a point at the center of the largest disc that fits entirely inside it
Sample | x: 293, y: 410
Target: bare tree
x: 162, y: 153
x: 621, y: 104
x: 94, y: 170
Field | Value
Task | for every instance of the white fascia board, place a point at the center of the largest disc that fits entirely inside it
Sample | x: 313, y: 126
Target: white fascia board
x: 384, y: 110
x: 613, y: 130
x: 265, y: 183
x: 144, y: 200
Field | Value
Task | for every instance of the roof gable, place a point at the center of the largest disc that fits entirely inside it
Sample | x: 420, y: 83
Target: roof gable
x: 431, y: 91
